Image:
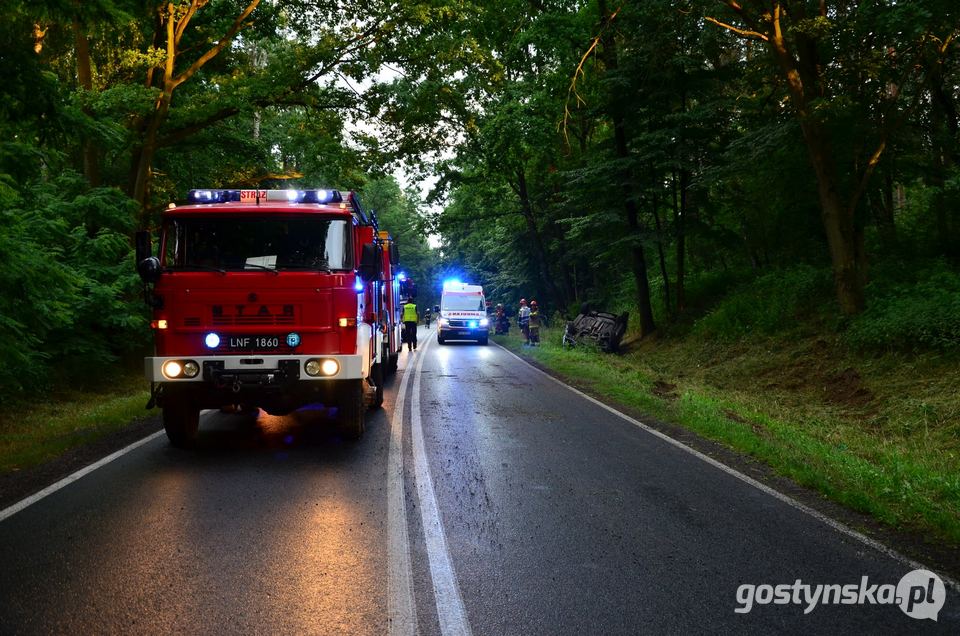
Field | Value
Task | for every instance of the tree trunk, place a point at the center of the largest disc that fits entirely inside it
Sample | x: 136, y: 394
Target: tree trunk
x: 140, y: 190
x: 638, y: 261
x: 540, y: 253
x: 91, y: 158
x: 661, y: 253
x: 174, y: 25
x: 638, y: 258
x: 844, y: 238
x: 680, y: 222
x: 943, y: 134
x: 883, y: 210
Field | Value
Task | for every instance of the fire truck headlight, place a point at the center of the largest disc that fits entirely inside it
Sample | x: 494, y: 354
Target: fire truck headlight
x: 212, y: 340
x: 190, y: 369
x: 329, y: 367
x: 172, y: 369
x: 324, y: 366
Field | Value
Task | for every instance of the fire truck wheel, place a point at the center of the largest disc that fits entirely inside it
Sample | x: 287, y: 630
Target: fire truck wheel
x: 181, y: 424
x: 351, y: 410
x: 377, y: 374
x: 392, y: 364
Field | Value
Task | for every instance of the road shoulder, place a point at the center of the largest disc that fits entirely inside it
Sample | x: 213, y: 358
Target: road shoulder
x: 19, y: 484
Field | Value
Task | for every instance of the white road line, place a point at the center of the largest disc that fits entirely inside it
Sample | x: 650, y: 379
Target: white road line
x: 401, y: 605
x: 816, y: 514
x: 66, y: 481
x: 450, y: 610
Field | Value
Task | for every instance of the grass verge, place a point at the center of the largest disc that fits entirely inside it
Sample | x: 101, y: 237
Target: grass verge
x: 36, y: 434
x: 879, y: 435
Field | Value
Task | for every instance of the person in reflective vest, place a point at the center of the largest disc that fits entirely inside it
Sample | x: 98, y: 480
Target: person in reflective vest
x: 410, y: 320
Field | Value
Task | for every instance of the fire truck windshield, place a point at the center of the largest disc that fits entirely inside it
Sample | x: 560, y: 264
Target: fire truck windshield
x: 247, y: 243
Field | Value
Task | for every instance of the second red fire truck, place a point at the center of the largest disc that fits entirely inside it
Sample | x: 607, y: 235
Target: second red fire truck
x: 270, y: 298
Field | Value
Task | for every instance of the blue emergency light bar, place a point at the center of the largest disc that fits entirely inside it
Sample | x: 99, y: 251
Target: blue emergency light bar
x: 257, y: 196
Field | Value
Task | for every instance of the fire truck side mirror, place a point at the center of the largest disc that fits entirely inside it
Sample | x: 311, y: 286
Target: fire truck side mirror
x: 149, y: 269
x: 394, y: 254
x: 370, y: 262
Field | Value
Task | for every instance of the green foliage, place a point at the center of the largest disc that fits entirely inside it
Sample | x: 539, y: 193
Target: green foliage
x: 398, y: 213
x: 776, y: 301
x: 911, y: 307
x: 68, y: 292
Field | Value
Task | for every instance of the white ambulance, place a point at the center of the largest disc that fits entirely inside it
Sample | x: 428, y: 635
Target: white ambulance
x: 463, y: 313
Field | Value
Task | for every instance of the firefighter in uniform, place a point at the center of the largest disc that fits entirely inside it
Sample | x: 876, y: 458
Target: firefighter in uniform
x: 410, y: 320
x: 534, y: 324
x: 523, y: 320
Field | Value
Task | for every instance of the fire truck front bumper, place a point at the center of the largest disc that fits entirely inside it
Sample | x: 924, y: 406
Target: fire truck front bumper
x: 252, y: 370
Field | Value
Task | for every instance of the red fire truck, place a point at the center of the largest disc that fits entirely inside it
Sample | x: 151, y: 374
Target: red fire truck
x: 395, y: 284
x: 268, y: 298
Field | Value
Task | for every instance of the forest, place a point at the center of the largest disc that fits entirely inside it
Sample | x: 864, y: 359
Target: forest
x: 720, y: 167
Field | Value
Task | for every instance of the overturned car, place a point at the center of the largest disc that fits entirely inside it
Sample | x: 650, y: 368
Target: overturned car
x: 603, y: 329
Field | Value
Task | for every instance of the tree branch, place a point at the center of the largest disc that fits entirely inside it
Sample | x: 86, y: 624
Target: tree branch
x: 578, y: 72
x: 358, y: 42
x: 752, y: 35
x: 185, y: 20
x: 219, y: 46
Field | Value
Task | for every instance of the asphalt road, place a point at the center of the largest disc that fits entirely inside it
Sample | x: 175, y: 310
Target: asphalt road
x: 485, y: 498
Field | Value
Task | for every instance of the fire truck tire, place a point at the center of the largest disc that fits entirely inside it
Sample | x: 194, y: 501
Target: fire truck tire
x: 377, y: 374
x: 351, y: 410
x: 181, y: 424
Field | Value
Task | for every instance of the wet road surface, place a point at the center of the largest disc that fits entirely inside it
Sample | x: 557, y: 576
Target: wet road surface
x: 485, y: 498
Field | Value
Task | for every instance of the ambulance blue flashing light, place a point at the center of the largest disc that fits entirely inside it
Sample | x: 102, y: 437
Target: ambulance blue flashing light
x: 451, y: 283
